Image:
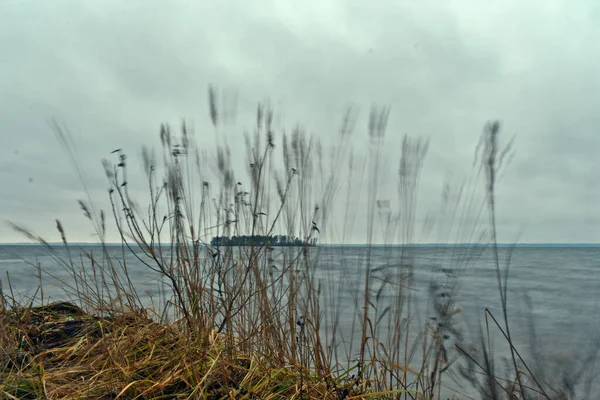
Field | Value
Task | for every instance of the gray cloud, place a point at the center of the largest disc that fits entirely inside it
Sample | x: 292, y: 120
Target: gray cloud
x: 113, y: 71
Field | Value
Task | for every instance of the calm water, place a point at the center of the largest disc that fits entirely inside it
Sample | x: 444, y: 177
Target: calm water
x: 563, y: 285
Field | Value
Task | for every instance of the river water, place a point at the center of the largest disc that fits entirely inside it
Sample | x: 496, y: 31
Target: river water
x: 552, y: 295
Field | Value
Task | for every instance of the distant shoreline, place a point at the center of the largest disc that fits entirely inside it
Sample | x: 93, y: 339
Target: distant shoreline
x: 378, y: 245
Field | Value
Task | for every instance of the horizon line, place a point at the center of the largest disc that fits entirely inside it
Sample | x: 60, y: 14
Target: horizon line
x: 423, y: 244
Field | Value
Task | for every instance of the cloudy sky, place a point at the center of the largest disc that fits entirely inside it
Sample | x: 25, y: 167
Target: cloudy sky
x: 112, y: 71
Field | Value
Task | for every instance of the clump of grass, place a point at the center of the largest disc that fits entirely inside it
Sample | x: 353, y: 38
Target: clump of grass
x: 248, y: 322
x: 131, y: 356
x: 228, y: 325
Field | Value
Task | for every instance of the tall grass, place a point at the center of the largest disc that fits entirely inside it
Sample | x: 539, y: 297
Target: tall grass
x: 260, y: 321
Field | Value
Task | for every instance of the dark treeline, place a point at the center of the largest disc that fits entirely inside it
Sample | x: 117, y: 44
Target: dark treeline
x: 260, y: 240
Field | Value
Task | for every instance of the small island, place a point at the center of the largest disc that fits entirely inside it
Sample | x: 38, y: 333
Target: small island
x: 261, y: 240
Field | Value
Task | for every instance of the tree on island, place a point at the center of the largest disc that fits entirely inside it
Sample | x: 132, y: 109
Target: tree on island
x: 261, y: 240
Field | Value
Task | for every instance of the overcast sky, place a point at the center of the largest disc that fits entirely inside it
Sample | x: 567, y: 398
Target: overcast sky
x: 112, y: 71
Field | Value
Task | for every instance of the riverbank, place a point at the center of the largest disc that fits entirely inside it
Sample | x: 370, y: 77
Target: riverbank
x: 58, y: 351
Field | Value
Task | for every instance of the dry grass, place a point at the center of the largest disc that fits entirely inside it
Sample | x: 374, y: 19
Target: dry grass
x: 238, y: 322
x: 65, y: 353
